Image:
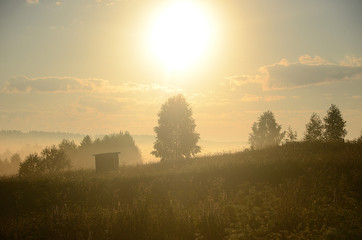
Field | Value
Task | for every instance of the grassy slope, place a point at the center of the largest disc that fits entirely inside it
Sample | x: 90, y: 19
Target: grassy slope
x: 297, y: 191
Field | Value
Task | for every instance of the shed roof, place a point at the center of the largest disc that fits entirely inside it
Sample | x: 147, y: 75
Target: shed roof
x: 104, y: 154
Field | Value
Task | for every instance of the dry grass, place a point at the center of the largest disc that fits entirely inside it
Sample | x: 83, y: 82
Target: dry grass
x: 296, y: 191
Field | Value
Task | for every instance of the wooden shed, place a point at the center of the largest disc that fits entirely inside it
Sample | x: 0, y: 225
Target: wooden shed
x: 106, y: 162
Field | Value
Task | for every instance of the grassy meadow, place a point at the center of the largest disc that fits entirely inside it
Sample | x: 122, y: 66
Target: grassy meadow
x: 295, y: 191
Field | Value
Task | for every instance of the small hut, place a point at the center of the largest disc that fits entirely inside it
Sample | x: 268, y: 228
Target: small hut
x: 106, y: 162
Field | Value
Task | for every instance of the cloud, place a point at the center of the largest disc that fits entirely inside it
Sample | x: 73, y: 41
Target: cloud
x: 251, y: 98
x: 32, y: 1
x: 273, y: 98
x: 56, y: 28
x: 316, y: 60
x: 23, y: 84
x: 108, y: 2
x: 300, y: 75
x: 239, y: 80
x: 102, y: 104
x: 139, y: 87
x: 255, y: 98
x: 54, y: 84
x: 308, y: 71
x: 352, y: 61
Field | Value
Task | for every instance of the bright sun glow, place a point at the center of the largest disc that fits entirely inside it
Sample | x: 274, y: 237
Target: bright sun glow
x: 180, y: 35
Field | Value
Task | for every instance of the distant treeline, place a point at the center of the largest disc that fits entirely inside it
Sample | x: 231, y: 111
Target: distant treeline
x: 70, y: 155
x: 15, y: 134
x: 82, y: 155
x: 10, y: 166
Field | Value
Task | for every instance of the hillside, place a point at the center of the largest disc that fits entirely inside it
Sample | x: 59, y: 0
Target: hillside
x: 296, y: 191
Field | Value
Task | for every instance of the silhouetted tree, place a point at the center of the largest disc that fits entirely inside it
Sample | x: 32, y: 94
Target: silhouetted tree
x: 67, y: 145
x: 359, y: 139
x: 334, y: 125
x: 10, y: 167
x: 51, y: 160
x: 15, y: 159
x: 291, y: 135
x: 265, y: 132
x: 55, y: 159
x: 314, y: 129
x: 32, y: 165
x: 176, y: 137
x: 86, y: 142
x: 121, y: 142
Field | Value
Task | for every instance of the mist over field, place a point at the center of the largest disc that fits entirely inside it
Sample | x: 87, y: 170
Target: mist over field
x: 25, y: 143
x: 180, y: 119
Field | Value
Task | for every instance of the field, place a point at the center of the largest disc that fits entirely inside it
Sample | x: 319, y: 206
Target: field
x: 295, y: 191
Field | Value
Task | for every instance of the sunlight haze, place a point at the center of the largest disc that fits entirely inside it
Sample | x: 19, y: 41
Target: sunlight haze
x: 180, y: 119
x: 98, y: 67
x: 180, y: 35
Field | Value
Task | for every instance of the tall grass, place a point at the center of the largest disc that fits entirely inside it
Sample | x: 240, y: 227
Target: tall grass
x: 296, y: 191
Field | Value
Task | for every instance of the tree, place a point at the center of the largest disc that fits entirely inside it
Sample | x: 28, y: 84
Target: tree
x: 314, y: 129
x: 359, y: 140
x: 120, y: 142
x: 291, y: 135
x: 266, y: 132
x: 334, y: 125
x: 11, y: 166
x: 86, y: 142
x: 51, y: 160
x: 32, y: 165
x: 55, y: 160
x: 67, y: 145
x: 15, y: 159
x: 175, y: 134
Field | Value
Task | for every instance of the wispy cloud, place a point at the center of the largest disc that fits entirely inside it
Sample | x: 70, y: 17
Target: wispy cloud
x: 23, y: 84
x: 357, y: 97
x: 316, y: 60
x: 352, y: 61
x: 102, y: 104
x: 54, y: 84
x: 32, y: 1
x: 251, y: 98
x: 239, y: 80
x: 108, y: 2
x: 139, y: 87
x: 273, y: 98
x: 255, y: 98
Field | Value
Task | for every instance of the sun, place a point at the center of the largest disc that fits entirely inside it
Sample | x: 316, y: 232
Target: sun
x: 180, y: 35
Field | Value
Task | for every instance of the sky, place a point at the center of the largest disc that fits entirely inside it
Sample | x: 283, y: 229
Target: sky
x: 99, y: 66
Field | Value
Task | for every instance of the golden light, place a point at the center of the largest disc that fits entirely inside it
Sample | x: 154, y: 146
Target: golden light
x: 180, y: 35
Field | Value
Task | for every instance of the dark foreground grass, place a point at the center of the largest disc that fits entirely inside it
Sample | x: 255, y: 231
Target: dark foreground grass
x: 296, y: 191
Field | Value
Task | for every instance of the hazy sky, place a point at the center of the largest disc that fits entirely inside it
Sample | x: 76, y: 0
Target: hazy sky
x: 86, y: 66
